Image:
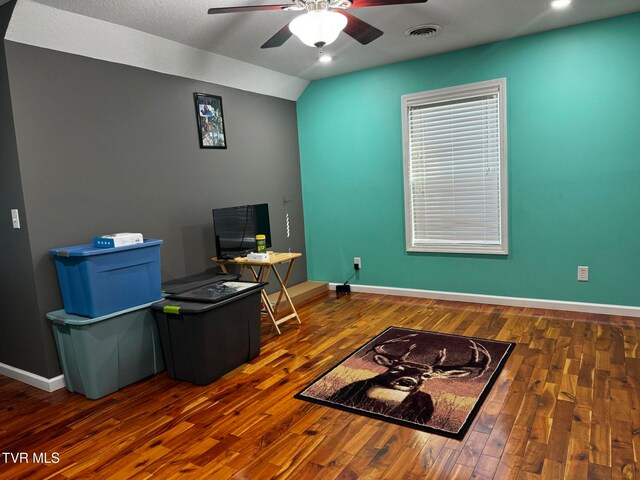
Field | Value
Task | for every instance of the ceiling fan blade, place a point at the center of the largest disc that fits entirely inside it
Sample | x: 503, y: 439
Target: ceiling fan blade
x: 359, y: 29
x: 247, y: 8
x: 381, y: 3
x: 279, y: 38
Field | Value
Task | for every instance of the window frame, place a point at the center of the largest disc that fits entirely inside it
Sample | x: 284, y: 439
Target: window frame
x: 443, y: 95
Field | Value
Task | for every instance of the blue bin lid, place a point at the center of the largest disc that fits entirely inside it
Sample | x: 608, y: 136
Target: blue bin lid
x: 61, y: 317
x: 88, y: 249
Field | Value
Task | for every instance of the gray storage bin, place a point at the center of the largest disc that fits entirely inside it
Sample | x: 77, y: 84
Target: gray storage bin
x: 101, y: 355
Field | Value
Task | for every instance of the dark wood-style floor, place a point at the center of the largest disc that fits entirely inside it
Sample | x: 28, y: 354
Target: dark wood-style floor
x: 567, y: 405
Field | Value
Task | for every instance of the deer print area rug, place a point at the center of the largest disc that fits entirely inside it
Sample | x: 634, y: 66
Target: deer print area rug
x: 429, y: 381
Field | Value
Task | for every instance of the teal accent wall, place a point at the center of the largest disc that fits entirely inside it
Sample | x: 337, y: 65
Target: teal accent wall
x: 573, y: 167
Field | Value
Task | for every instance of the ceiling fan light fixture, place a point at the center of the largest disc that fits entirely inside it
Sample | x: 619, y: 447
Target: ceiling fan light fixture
x: 318, y: 28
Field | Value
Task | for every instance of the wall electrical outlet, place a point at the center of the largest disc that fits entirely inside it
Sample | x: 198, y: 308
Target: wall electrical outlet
x: 583, y: 274
x: 357, y: 263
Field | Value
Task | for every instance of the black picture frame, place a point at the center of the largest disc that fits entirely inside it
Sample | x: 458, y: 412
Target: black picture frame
x: 210, y: 120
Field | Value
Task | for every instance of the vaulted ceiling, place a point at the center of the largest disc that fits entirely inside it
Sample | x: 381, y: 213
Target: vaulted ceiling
x: 464, y: 23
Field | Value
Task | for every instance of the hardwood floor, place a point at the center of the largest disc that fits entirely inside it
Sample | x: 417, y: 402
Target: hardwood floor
x: 567, y: 405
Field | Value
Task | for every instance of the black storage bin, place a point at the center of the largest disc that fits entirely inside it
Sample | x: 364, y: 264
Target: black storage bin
x: 203, y: 341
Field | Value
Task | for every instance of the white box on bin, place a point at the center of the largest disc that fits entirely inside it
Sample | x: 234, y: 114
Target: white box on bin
x: 117, y: 240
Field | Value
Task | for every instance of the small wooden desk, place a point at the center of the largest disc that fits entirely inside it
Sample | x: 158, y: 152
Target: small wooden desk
x: 261, y: 276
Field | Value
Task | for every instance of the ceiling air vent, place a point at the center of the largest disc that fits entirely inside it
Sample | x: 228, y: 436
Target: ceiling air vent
x: 423, y: 31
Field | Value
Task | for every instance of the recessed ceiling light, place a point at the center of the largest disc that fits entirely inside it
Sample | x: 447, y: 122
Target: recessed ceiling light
x: 558, y: 4
x: 324, y: 58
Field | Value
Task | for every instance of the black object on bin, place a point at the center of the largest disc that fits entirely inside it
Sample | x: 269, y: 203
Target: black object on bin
x: 201, y: 341
x: 184, y: 284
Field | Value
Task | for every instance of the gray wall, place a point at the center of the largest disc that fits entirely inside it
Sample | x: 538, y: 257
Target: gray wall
x: 107, y: 148
x: 23, y: 339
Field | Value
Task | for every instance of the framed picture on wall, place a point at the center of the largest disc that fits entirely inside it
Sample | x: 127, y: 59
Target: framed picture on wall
x: 210, y: 121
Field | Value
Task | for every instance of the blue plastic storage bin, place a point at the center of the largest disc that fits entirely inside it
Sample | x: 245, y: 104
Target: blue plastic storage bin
x: 99, y: 281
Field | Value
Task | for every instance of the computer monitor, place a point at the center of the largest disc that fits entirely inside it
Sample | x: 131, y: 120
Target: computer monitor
x: 235, y: 229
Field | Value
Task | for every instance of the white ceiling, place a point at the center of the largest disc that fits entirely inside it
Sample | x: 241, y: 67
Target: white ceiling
x: 464, y: 23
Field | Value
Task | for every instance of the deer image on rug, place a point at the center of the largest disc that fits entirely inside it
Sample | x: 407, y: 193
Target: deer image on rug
x: 426, y: 380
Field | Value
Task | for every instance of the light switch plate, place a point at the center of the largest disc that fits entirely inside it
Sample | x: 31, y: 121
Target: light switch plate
x: 15, y: 218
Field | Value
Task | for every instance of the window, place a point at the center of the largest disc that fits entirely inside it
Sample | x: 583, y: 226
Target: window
x: 455, y: 169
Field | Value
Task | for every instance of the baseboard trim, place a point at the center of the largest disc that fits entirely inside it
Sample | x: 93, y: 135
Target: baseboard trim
x: 46, y: 384
x: 601, y: 308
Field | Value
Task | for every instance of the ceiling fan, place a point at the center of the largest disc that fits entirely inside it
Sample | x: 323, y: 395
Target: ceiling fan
x: 322, y: 22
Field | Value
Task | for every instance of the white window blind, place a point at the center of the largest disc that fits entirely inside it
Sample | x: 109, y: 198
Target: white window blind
x: 455, y: 164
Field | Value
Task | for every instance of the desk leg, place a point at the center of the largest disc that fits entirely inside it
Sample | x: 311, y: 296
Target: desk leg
x: 256, y: 276
x: 261, y: 276
x: 223, y: 267
x: 283, y: 286
x: 286, y: 282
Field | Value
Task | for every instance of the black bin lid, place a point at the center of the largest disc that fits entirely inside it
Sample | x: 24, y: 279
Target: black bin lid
x: 184, y: 284
x: 207, y: 297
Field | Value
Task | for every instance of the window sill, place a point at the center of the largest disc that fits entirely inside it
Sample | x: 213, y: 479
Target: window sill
x: 475, y: 249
